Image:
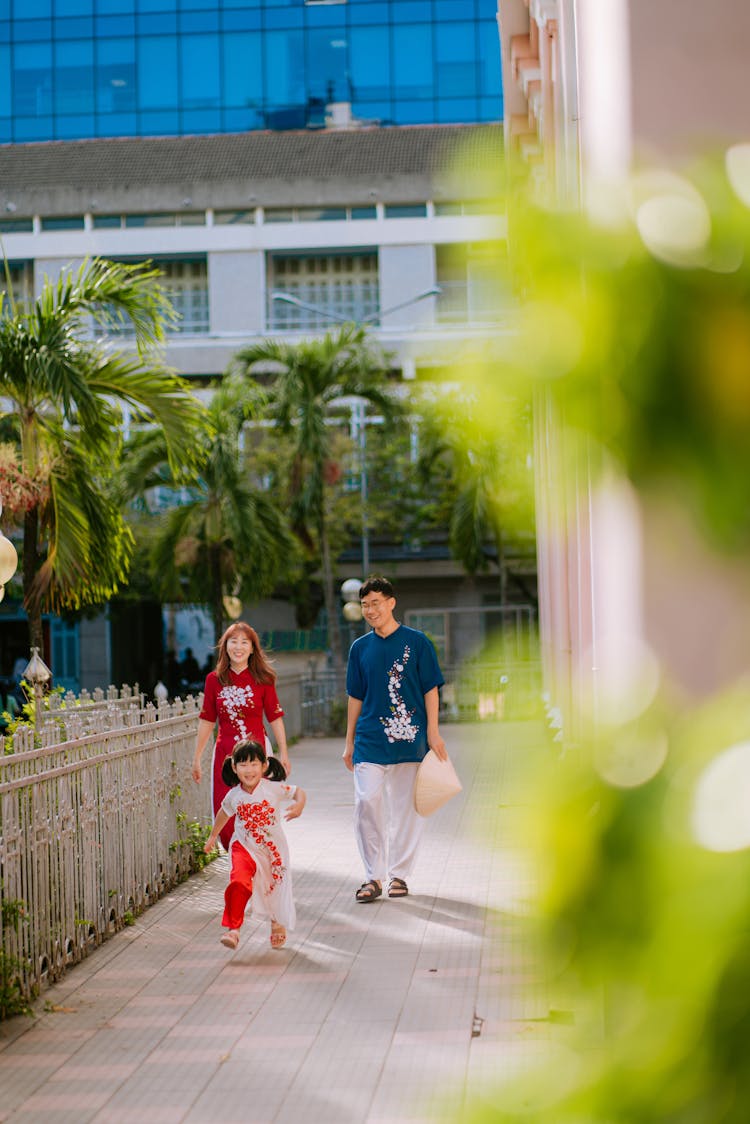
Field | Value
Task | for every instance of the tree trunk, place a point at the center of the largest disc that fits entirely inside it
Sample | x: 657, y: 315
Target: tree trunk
x: 31, y: 600
x: 502, y: 566
x: 332, y: 606
x: 216, y: 592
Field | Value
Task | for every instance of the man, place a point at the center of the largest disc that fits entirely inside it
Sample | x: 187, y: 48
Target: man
x: 392, y: 681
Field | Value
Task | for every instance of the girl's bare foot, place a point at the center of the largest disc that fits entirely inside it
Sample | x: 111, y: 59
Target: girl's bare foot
x: 231, y: 939
x: 278, y: 935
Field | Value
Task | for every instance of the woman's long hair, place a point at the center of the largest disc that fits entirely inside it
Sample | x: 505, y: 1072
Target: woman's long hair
x: 250, y: 751
x: 258, y: 664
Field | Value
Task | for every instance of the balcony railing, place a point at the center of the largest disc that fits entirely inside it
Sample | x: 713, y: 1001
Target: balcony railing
x: 460, y: 302
x: 325, y: 308
x: 472, y: 693
x: 295, y: 640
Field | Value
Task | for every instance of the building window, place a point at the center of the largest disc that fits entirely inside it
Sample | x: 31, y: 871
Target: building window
x: 475, y: 207
x: 63, y: 222
x: 64, y: 639
x: 278, y: 214
x: 158, y: 67
x: 314, y: 291
x: 186, y: 285
x: 182, y: 218
x: 150, y: 220
x: 318, y: 214
x: 21, y: 283
x: 16, y: 226
x: 229, y: 218
x: 473, y: 283
x: 405, y: 210
x: 321, y: 214
x: 168, y: 218
x: 185, y: 282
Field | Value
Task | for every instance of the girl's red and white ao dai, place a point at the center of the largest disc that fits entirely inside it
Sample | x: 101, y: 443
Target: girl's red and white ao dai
x: 258, y: 827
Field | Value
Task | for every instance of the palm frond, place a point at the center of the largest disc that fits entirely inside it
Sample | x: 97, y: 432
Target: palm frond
x: 175, y: 526
x: 156, y: 396
x: 89, y: 546
x: 470, y: 527
x: 144, y: 465
x: 101, y: 286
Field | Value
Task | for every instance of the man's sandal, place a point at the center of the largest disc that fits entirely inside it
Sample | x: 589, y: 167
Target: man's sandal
x: 368, y: 891
x: 231, y: 939
x: 278, y: 935
x: 397, y: 888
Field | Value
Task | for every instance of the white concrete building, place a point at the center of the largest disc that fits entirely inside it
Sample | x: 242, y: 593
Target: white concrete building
x: 355, y: 223
x: 282, y: 234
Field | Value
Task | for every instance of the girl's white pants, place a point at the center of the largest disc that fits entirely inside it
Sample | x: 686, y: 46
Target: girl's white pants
x: 386, y: 825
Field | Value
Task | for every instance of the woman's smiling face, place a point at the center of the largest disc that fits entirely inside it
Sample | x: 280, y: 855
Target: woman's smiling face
x: 239, y: 648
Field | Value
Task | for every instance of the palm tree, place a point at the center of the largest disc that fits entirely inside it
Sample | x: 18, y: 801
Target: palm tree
x: 304, y: 382
x: 222, y: 536
x: 66, y: 390
x: 485, y: 446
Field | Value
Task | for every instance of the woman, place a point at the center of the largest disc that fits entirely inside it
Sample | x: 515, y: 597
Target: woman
x: 237, y: 695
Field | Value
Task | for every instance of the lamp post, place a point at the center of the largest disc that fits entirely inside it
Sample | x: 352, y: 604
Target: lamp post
x: 359, y: 433
x: 38, y: 674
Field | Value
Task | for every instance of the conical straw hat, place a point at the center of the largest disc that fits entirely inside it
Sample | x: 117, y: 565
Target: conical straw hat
x: 436, y: 783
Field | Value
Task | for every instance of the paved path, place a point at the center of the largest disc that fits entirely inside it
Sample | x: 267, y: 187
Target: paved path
x: 383, y: 1013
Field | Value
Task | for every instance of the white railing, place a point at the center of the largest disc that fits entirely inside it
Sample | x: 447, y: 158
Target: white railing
x: 461, y: 302
x: 472, y: 693
x: 98, y: 818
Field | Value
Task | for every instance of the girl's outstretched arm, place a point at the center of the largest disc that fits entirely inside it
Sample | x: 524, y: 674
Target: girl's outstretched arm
x: 221, y: 819
x: 295, y: 808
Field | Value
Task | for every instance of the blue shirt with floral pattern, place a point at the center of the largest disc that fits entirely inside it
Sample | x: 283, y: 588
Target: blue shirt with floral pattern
x: 391, y: 676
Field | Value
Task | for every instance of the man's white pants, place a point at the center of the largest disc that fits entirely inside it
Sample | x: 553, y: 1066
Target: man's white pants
x: 386, y: 825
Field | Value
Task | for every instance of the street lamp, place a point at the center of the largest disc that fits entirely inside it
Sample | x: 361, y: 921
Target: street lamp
x: 289, y: 298
x: 232, y: 606
x: 8, y: 560
x: 38, y: 674
x: 352, y: 610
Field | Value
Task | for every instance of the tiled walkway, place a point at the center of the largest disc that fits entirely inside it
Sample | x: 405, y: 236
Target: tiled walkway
x: 383, y: 1013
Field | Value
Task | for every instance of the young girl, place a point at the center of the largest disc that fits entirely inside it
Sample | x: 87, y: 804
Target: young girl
x: 258, y: 848
x: 237, y: 696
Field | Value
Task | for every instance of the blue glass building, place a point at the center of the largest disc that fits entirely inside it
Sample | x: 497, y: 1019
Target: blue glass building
x: 72, y: 69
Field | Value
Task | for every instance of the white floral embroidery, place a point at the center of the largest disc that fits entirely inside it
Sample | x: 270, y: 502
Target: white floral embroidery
x: 234, y: 700
x: 399, y: 727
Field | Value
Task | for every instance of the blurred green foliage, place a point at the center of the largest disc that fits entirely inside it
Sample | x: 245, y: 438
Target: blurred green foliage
x: 643, y: 930
x: 637, y: 321
x: 635, y: 324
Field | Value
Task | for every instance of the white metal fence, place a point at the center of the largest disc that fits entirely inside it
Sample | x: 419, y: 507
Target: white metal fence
x: 98, y: 818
